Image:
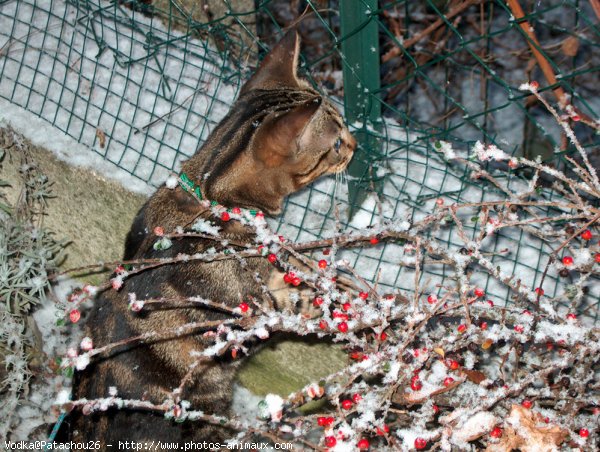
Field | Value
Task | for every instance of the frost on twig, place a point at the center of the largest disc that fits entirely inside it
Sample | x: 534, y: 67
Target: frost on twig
x: 440, y: 365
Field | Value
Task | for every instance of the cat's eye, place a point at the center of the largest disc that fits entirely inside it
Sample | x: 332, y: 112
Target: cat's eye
x: 337, y: 144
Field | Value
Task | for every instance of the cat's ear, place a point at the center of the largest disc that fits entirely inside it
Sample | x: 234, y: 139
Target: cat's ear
x: 278, y: 137
x: 278, y: 68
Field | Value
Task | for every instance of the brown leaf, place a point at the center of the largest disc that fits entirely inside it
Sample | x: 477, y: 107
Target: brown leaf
x: 487, y: 344
x: 527, y: 431
x: 474, y: 375
x: 570, y: 46
x: 101, y: 137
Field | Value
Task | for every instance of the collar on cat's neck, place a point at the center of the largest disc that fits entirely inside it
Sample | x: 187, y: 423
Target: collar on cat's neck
x: 218, y: 210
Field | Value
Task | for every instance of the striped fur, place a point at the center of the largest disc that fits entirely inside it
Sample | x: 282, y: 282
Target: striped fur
x: 279, y: 136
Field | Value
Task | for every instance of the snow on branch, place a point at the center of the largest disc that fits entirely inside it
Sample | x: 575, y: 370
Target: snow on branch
x: 439, y: 366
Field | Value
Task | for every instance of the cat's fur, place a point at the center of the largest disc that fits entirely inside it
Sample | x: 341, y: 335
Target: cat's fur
x: 279, y: 136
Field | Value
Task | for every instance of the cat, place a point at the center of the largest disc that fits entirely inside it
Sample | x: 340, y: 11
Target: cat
x: 279, y: 136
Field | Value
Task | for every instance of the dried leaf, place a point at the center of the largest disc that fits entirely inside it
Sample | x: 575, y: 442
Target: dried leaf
x: 487, y: 344
x: 570, y: 46
x: 439, y: 351
x: 527, y: 432
x: 101, y: 137
x: 474, y: 376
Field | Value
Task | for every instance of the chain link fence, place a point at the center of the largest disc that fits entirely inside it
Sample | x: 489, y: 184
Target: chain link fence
x: 143, y: 83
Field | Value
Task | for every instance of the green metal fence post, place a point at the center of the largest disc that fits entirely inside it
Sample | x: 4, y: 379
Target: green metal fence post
x: 360, y: 50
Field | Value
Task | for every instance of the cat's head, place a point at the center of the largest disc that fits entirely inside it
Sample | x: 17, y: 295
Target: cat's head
x: 279, y: 136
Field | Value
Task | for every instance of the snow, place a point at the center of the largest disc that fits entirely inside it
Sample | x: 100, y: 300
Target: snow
x: 474, y: 426
x: 39, y: 409
x: 274, y: 406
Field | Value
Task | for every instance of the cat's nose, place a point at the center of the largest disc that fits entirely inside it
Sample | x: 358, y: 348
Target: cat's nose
x: 349, y: 141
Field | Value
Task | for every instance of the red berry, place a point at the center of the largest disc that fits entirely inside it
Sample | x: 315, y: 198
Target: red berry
x: 576, y: 118
x: 322, y: 263
x: 374, y: 241
x: 534, y: 84
x: 363, y: 295
x: 479, y: 292
x: 342, y: 327
x: 326, y: 251
x: 462, y: 328
x: 586, y: 235
x: 383, y: 336
x: 323, y: 324
x: 363, y: 444
x: 527, y: 403
x: 448, y: 381
x: 321, y: 421
x: 439, y: 201
x: 236, y: 210
x: 483, y: 325
x: 259, y: 214
x: 272, y: 258
x: 519, y: 328
x: 356, y: 397
x: 584, y: 433
x: 340, y: 315
x: 597, y: 258
x: 75, y: 315
x: 225, y: 216
x: 296, y: 281
x: 159, y: 231
x: 416, y: 384
x: 452, y: 364
x: 347, y: 404
x: 491, y: 303
x: 330, y: 441
x: 346, y: 306
x: 420, y: 443
x: 318, y: 301
x: 436, y: 409
x: 244, y: 307
x: 526, y: 312
x: 431, y: 299
x: 539, y: 291
x: 567, y: 260
x: 571, y: 316
x: 383, y: 431
x: 496, y: 432
x: 287, y: 278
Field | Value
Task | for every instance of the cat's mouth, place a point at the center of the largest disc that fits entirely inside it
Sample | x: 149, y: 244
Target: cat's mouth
x: 343, y: 164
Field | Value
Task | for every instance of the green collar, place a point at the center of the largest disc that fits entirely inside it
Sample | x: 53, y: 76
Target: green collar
x: 189, y: 186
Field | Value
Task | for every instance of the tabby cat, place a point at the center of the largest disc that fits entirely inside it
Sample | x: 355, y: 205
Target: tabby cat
x: 279, y: 136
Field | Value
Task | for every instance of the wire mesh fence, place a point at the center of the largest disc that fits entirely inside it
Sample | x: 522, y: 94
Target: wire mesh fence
x: 142, y: 83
